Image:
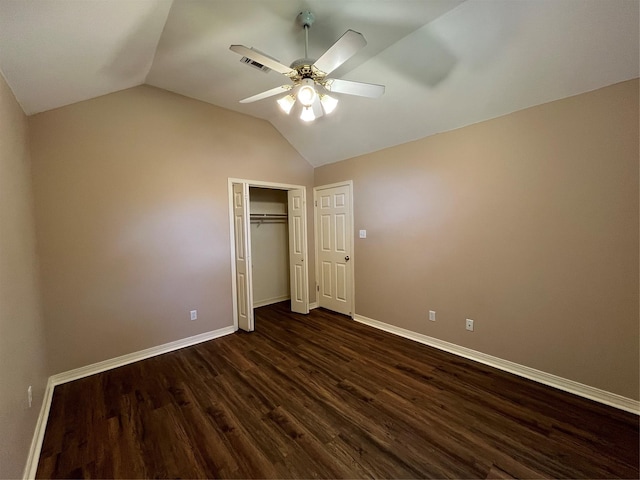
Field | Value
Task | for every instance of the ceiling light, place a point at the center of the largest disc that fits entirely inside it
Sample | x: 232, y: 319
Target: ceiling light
x: 307, y: 92
x: 312, y: 99
x: 307, y: 114
x: 286, y: 103
x: 328, y: 103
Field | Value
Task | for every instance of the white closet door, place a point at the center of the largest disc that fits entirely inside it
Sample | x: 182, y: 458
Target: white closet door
x: 244, y: 294
x: 299, y: 285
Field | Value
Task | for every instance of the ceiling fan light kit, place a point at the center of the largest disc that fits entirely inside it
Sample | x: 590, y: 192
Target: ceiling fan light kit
x: 329, y: 104
x: 307, y: 114
x: 310, y: 77
x: 286, y: 103
x: 306, y: 92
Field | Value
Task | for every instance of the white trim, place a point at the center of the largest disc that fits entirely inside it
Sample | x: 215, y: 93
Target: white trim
x: 77, y: 373
x: 580, y: 389
x: 346, y: 183
x: 273, y: 185
x: 116, y: 362
x: 31, y: 466
x: 313, y: 305
x: 271, y: 301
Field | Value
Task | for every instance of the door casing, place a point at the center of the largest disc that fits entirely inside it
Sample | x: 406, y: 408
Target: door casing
x: 277, y: 186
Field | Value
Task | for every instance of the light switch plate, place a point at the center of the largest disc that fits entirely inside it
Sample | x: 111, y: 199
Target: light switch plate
x: 363, y: 234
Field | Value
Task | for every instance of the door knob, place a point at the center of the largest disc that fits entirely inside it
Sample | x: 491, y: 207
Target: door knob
x: 346, y: 258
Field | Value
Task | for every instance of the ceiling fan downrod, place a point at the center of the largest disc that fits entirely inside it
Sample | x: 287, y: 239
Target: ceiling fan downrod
x: 306, y: 19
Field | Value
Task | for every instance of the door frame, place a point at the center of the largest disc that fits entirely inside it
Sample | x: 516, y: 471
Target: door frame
x: 351, y: 263
x: 274, y: 186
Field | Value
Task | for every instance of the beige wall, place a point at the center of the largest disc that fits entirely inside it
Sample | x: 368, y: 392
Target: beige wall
x: 22, y: 347
x: 132, y: 217
x: 527, y: 224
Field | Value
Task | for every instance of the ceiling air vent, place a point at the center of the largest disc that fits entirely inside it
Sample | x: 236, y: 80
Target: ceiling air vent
x: 255, y: 64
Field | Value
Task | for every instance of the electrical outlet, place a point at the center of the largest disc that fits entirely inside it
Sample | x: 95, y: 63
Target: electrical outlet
x: 469, y: 324
x: 194, y: 314
x: 30, y: 396
x: 432, y: 315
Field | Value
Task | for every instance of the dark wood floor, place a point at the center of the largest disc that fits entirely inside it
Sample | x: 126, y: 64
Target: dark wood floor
x: 323, y: 396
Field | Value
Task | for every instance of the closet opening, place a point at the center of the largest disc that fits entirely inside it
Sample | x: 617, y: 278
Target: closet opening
x: 268, y: 247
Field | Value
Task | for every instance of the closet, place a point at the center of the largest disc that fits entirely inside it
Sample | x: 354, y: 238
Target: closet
x: 269, y: 245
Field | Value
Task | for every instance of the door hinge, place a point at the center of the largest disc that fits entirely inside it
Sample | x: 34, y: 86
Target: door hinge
x: 316, y: 202
x: 317, y: 288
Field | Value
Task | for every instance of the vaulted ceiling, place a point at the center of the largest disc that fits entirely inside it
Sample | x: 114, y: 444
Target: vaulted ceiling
x: 445, y: 63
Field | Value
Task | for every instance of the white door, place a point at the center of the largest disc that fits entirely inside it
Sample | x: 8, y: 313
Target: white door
x: 242, y: 232
x: 298, y: 269
x: 334, y: 247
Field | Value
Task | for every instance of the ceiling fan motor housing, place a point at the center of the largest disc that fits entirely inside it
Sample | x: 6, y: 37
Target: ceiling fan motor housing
x: 303, y: 67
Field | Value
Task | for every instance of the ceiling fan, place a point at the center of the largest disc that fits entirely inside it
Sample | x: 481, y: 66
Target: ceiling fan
x: 311, y: 85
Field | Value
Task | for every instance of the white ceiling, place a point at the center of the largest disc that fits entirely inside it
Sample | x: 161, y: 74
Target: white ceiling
x: 445, y: 63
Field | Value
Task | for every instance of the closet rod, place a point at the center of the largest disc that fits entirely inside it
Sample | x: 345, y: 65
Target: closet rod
x: 268, y: 215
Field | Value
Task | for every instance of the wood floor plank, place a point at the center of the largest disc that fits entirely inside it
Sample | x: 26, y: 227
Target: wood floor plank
x: 321, y: 396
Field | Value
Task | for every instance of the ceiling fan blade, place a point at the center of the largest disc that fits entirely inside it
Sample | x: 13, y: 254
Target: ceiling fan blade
x: 262, y: 59
x: 341, y: 51
x: 268, y: 93
x: 348, y: 87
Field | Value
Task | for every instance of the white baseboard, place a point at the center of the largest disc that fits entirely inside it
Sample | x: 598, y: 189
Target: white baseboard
x: 313, y: 305
x: 271, y: 301
x: 38, y: 436
x: 77, y: 373
x: 580, y: 389
x: 94, y: 368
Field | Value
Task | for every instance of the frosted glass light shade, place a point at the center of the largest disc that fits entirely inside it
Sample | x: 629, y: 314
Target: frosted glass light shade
x: 306, y: 95
x: 307, y: 114
x: 286, y: 103
x: 329, y: 104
